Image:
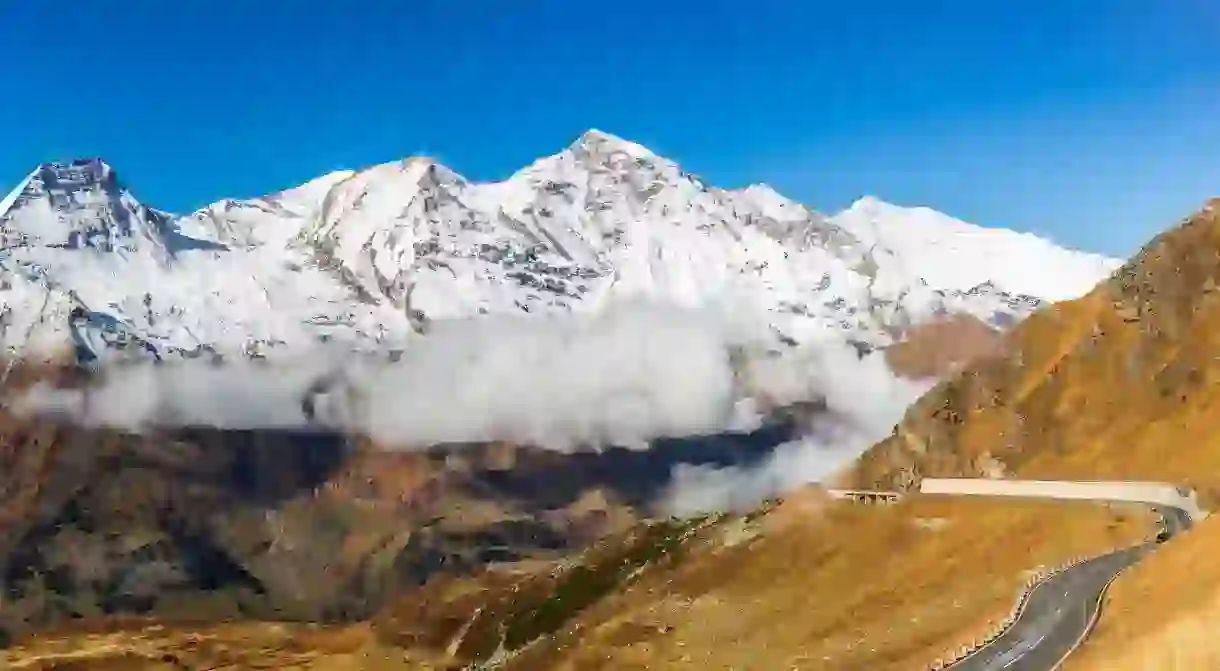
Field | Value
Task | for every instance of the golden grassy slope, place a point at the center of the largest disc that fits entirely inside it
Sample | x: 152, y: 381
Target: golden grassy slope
x: 1118, y: 384
x: 1123, y: 383
x: 1161, y: 614
x: 806, y: 585
x: 230, y: 647
x: 840, y: 587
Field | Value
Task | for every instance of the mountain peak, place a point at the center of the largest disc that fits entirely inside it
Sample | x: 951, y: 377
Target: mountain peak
x: 81, y: 171
x: 82, y: 204
x: 603, y: 142
x: 597, y: 135
x: 73, y: 175
x: 772, y: 203
x: 88, y: 162
x: 868, y: 202
x: 371, y: 255
x: 763, y: 190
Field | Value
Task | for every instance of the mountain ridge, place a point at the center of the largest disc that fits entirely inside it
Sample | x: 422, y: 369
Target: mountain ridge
x: 374, y: 258
x: 373, y: 254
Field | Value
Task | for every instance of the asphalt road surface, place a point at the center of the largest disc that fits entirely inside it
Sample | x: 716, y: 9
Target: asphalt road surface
x: 1058, y: 614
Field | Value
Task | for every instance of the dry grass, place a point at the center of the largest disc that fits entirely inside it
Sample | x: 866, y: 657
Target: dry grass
x: 233, y: 646
x: 1121, y: 384
x: 940, y: 347
x: 853, y: 587
x: 1161, y: 615
x: 809, y: 585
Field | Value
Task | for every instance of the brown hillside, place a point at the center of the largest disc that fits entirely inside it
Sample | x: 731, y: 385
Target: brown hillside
x: 1161, y: 614
x: 1123, y: 383
x: 809, y: 584
x: 941, y: 347
x: 841, y: 587
x: 213, y: 525
x: 210, y: 524
x: 1118, y: 384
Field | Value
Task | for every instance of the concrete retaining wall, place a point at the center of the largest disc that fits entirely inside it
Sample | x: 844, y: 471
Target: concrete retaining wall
x: 1155, y: 493
x: 864, y: 496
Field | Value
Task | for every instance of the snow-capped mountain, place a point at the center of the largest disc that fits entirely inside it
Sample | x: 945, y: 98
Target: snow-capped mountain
x: 370, y: 257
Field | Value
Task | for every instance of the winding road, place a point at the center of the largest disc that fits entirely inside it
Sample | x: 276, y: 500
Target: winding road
x: 1062, y: 610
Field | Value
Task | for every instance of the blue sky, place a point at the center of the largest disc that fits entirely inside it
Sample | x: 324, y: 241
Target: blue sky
x: 1095, y: 122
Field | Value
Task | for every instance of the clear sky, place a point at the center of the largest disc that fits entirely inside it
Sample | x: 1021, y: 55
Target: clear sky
x: 1094, y: 122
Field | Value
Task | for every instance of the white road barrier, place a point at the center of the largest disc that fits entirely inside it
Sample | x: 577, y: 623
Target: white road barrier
x: 1156, y: 493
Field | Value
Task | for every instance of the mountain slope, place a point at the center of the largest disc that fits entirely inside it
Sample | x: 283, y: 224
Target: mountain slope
x: 1092, y: 387
x: 89, y: 268
x: 369, y: 257
x: 208, y: 523
x: 953, y: 254
x: 1120, y: 384
x: 717, y: 593
x: 302, y: 525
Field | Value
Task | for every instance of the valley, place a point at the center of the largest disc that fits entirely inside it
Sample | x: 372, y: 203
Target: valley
x: 574, y: 420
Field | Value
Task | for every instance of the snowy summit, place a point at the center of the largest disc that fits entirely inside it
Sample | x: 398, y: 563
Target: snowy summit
x: 370, y: 257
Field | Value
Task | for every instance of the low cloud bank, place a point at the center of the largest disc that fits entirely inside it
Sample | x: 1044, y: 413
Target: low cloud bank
x: 139, y: 397
x: 863, y: 401
x: 626, y: 375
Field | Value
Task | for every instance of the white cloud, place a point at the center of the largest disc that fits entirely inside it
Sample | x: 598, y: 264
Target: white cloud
x: 625, y: 375
x: 243, y: 395
x: 863, y: 401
